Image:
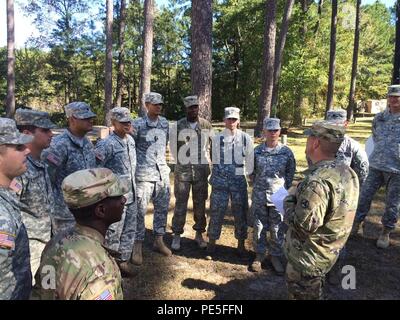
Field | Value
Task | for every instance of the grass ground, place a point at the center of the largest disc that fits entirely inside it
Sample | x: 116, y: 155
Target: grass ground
x: 189, y: 275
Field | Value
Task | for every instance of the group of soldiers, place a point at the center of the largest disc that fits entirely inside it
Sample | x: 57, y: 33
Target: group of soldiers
x: 73, y: 214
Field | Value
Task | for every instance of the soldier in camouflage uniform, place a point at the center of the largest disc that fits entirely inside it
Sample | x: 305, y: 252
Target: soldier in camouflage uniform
x: 232, y: 157
x: 320, y: 214
x: 350, y: 151
x: 75, y: 264
x: 15, y: 269
x: 384, y: 168
x: 34, y: 187
x: 151, y: 134
x: 69, y: 152
x: 274, y: 167
x: 118, y: 153
x: 193, y: 137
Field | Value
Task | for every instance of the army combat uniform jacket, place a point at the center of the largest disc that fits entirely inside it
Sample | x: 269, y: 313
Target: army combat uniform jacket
x: 320, y: 217
x: 272, y: 170
x: 386, y: 136
x: 151, y: 142
x: 81, y: 267
x: 350, y: 152
x: 15, y: 269
x: 198, y: 169
x: 66, y: 154
x: 35, y: 192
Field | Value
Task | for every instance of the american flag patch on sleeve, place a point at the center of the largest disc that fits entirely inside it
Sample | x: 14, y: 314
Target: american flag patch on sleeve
x: 7, y: 241
x: 15, y: 186
x: 105, y: 295
x: 53, y: 159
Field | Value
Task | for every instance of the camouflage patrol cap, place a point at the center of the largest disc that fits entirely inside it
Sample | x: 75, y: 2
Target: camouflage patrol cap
x: 120, y: 114
x: 232, y: 112
x: 153, y: 98
x: 79, y: 110
x: 394, y: 90
x: 338, y: 116
x: 326, y: 130
x: 272, y: 124
x: 191, y: 101
x: 28, y: 117
x: 9, y: 133
x: 86, y: 187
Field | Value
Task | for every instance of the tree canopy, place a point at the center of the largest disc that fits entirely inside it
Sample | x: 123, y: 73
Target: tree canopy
x: 66, y: 62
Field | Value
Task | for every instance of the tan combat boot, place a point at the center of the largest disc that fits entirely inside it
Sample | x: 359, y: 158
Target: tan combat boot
x: 176, y: 242
x: 200, y: 241
x: 160, y: 247
x: 277, y: 265
x: 137, y: 258
x: 384, y: 238
x: 127, y: 269
x: 256, y: 264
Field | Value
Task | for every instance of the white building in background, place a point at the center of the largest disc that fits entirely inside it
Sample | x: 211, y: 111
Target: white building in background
x: 373, y: 106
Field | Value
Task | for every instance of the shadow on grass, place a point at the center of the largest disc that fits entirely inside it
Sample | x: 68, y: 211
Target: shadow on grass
x: 223, y: 253
x: 252, y: 288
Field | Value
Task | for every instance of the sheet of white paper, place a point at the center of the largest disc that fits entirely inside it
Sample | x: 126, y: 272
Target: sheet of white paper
x: 277, y: 198
x: 369, y: 146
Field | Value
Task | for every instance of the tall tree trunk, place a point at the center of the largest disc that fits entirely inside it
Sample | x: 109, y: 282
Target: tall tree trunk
x: 396, y: 64
x: 145, y: 74
x: 135, y: 87
x: 10, y: 104
x: 121, y: 57
x: 128, y: 89
x: 352, y: 103
x: 317, y: 24
x: 201, y: 74
x: 236, y: 63
x: 332, y: 57
x: 108, y: 65
x: 279, y: 51
x: 267, y: 75
x: 298, y: 110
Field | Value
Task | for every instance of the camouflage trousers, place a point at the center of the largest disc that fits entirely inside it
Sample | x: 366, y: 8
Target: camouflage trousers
x: 36, y: 248
x: 303, y: 287
x: 375, y: 180
x: 267, y: 218
x: 120, y: 235
x: 39, y: 233
x: 219, y: 203
x: 159, y: 193
x: 199, y: 197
